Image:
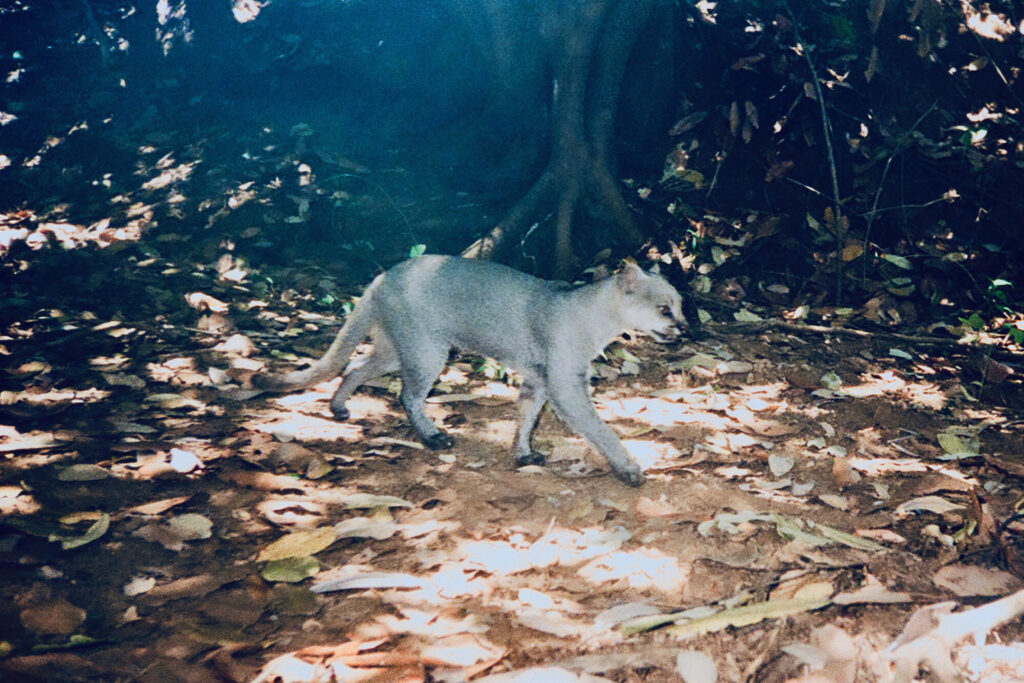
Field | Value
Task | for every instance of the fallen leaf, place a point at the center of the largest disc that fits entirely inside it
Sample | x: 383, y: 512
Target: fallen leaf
x: 389, y: 441
x: 462, y: 650
x: 958, y: 443
x: 809, y: 655
x: 205, y: 302
x: 872, y: 591
x: 184, y: 461
x: 846, y: 539
x: 969, y: 580
x: 83, y: 472
x: 843, y: 473
x: 158, y: 506
x: 735, y: 367
x: 886, y: 535
x: 139, y: 585
x: 835, y: 501
x: 831, y: 381
x: 545, y: 674
x: 302, y: 514
x: 745, y: 316
x: 191, y: 526
x: 56, y: 617
x: 302, y: 543
x: 661, y: 507
x: 368, y: 580
x: 696, y: 667
x: 613, y: 616
x: 934, y: 504
x: 174, y: 401
x: 371, y: 500
x: 290, y: 569
x: 780, y: 465
x: 550, y: 622
x: 745, y: 616
x: 807, y: 587
x: 364, y: 527
x: 95, y: 531
x: 27, y: 442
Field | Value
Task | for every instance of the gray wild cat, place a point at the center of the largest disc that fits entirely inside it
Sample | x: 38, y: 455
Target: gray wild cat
x: 547, y: 331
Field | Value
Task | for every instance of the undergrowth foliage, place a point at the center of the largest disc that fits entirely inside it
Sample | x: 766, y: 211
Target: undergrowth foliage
x: 876, y: 147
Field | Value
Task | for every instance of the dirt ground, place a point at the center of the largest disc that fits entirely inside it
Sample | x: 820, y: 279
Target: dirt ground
x: 807, y: 493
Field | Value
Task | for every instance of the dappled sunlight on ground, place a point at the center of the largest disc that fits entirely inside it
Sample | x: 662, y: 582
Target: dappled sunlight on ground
x: 309, y: 428
x: 14, y: 501
x: 651, y: 454
x: 173, y: 465
x: 55, y: 397
x: 926, y: 394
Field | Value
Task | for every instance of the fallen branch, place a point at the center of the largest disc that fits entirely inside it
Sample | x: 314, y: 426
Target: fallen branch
x: 797, y: 328
x: 782, y: 325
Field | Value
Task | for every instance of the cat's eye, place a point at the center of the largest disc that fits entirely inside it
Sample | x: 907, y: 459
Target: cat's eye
x: 665, y: 310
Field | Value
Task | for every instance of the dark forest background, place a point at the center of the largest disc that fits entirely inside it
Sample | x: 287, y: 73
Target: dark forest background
x: 822, y: 153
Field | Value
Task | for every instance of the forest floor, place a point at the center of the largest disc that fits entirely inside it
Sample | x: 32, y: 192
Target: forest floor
x: 807, y: 493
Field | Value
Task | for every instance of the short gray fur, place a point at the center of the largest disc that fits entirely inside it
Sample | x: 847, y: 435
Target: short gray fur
x: 547, y: 331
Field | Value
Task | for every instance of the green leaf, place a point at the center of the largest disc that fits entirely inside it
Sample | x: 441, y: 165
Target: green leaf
x: 1016, y: 334
x: 975, y: 322
x: 745, y: 316
x: 745, y: 616
x: 74, y: 641
x: 898, y: 261
x: 417, y: 250
x: 301, y: 543
x: 624, y: 354
x: 847, y: 539
x: 290, y: 569
x: 83, y: 472
x: 648, y: 622
x: 958, y: 443
x: 98, y: 528
x: 844, y: 29
x: 370, y: 500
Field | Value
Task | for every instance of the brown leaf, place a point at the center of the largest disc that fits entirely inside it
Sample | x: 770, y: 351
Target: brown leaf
x: 843, y: 473
x: 752, y: 116
x: 734, y: 118
x: 746, y: 63
x: 194, y: 587
x: 968, y: 580
x: 205, y: 302
x: 778, y: 170
x: 57, y: 617
x: 851, y: 251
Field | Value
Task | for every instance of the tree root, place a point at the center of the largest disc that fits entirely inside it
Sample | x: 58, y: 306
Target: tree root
x: 588, y: 45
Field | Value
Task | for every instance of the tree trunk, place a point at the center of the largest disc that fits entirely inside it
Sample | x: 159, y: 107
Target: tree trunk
x: 587, y: 44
